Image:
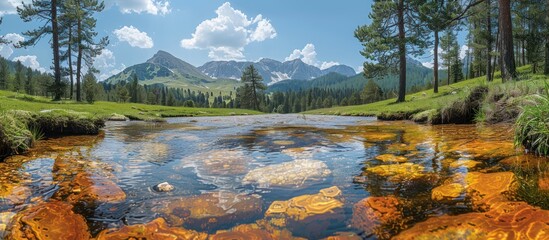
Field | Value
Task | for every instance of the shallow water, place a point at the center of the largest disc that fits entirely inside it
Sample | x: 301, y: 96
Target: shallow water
x: 227, y: 171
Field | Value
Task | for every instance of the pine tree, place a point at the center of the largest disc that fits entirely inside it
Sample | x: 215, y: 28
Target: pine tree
x: 19, y: 83
x: 4, y: 74
x: 29, y: 83
x: 395, y: 33
x: 507, y: 56
x: 46, y: 11
x: 90, y: 87
x: 253, y: 82
x: 81, y: 12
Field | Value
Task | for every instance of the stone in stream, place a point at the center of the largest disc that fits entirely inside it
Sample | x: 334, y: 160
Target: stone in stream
x: 377, y: 215
x: 164, y: 187
x: 289, y: 174
x: 5, y: 219
x: 52, y: 220
x: 210, y: 210
x: 391, y: 158
x: 505, y: 220
x: 218, y: 162
x: 157, y: 229
x: 307, y: 214
x: 398, y: 172
x: 447, y: 192
x: 486, y: 189
x: 90, y: 189
x: 246, y: 231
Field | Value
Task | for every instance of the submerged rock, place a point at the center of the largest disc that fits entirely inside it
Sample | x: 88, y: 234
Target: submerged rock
x: 398, y: 172
x: 377, y: 215
x: 219, y: 162
x: 307, y: 214
x: 344, y: 236
x: 479, y: 149
x: 5, y: 219
x: 157, y: 229
x: 210, y: 210
x: 290, y: 174
x: 485, y: 189
x: 447, y: 192
x: 505, y: 220
x: 391, y: 158
x: 247, y: 231
x: 53, y: 220
x: 91, y: 189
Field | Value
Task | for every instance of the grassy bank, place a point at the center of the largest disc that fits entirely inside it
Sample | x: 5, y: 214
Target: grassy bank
x: 497, y: 102
x: 20, y: 129
x: 134, y: 111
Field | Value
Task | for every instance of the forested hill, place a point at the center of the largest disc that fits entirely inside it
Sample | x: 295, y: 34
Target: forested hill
x: 417, y: 75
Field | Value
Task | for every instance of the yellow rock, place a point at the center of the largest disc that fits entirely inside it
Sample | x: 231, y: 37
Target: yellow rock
x: 398, y: 172
x: 447, y: 192
x: 157, y: 229
x: 465, y: 163
x: 391, y: 158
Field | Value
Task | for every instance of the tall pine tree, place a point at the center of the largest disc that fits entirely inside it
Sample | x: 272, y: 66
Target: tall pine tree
x: 394, y: 34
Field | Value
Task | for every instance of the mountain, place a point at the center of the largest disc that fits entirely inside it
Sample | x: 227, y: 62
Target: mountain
x: 171, y: 71
x: 271, y: 70
x: 417, y: 76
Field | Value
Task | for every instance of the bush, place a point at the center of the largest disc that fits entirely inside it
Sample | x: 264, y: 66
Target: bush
x: 532, y: 125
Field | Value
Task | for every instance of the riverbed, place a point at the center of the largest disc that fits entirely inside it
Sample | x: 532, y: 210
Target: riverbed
x: 271, y: 176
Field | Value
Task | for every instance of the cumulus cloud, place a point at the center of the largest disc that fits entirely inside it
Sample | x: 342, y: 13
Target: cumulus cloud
x: 134, y: 37
x: 106, y: 64
x: 226, y: 35
x: 10, y: 6
x: 463, y: 51
x: 308, y: 56
x: 154, y: 7
x: 6, y: 50
x: 30, y: 61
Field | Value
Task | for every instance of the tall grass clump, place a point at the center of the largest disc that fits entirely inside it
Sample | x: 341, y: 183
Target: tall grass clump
x: 532, y: 125
x: 14, y: 134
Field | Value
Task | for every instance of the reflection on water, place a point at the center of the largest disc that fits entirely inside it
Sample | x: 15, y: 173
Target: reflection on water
x: 273, y: 176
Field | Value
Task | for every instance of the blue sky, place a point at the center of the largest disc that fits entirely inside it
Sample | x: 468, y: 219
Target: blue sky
x: 198, y: 31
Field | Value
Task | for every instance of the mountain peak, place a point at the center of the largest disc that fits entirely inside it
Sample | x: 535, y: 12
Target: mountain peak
x: 167, y: 60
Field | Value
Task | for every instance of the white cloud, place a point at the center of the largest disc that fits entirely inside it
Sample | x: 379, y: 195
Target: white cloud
x: 106, y: 64
x: 463, y: 51
x: 308, y: 55
x: 10, y: 6
x: 226, y: 35
x: 359, y: 69
x: 154, y: 7
x: 428, y: 64
x: 6, y: 50
x: 134, y: 37
x: 30, y: 61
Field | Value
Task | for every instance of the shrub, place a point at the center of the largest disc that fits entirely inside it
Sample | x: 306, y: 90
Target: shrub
x: 532, y: 125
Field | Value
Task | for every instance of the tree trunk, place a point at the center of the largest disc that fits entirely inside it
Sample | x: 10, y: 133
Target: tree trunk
x: 256, y: 107
x: 435, y: 64
x: 523, y: 55
x: 58, y: 91
x: 70, y: 61
x: 79, y: 59
x: 508, y: 68
x: 489, y: 42
x: 402, y: 52
x: 546, y: 68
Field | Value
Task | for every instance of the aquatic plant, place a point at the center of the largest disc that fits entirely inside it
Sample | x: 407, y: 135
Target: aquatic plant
x: 532, y: 125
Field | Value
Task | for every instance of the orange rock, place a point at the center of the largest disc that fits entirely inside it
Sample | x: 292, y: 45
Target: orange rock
x: 447, y: 192
x: 157, y: 229
x: 344, y: 236
x: 486, y: 189
x: 92, y: 189
x: 209, y: 210
x: 543, y: 181
x: 373, y: 214
x: 391, y: 158
x: 247, y: 231
x: 505, y: 220
x: 53, y: 220
x: 307, y: 214
x: 485, y: 149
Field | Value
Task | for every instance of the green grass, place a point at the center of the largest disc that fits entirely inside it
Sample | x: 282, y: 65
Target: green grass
x: 532, y: 129
x: 427, y: 100
x: 14, y: 101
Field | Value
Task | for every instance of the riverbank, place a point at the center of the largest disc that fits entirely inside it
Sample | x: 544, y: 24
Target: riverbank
x: 469, y: 101
x: 25, y: 119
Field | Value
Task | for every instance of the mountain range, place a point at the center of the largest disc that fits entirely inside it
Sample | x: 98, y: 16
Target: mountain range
x: 222, y: 76
x: 169, y: 70
x: 271, y: 70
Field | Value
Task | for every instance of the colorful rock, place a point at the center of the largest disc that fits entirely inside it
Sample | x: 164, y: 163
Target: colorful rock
x: 210, y: 210
x: 52, y: 220
x: 290, y: 174
x: 373, y: 215
x: 391, y: 158
x: 157, y: 229
x: 447, y: 192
